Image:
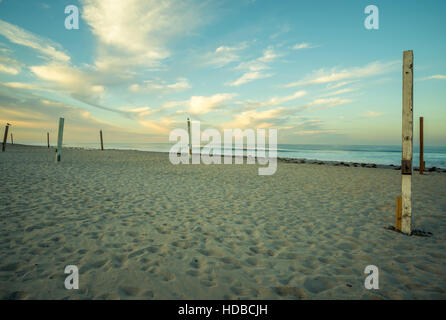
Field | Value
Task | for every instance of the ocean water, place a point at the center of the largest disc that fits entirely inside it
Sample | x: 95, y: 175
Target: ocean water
x: 433, y: 156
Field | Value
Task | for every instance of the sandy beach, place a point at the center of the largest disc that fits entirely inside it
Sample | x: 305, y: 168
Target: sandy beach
x: 139, y: 227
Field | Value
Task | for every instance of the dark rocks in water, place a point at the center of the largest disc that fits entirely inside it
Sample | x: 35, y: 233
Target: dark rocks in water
x: 397, y: 168
x: 433, y: 169
x: 363, y: 165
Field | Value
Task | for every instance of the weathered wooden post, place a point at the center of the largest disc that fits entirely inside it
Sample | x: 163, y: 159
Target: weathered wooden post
x: 102, y: 142
x: 48, y: 139
x: 407, y: 143
x: 5, y: 137
x: 398, y: 213
x: 422, y: 163
x: 59, y: 139
x: 12, y: 139
x: 190, y: 137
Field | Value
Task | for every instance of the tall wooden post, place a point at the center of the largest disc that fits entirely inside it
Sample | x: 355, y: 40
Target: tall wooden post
x: 59, y: 139
x: 5, y: 137
x: 190, y: 136
x: 407, y: 143
x: 422, y: 164
x: 12, y: 139
x: 48, y: 139
x: 102, y: 142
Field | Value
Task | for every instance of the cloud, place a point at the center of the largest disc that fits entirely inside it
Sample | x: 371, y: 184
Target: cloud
x: 138, y: 29
x: 21, y: 85
x: 253, y: 118
x: 373, y: 114
x: 224, y: 55
x: 201, y: 105
x: 323, y: 103
x: 22, y: 37
x: 248, y: 77
x: 303, y: 45
x: 73, y: 80
x: 275, y: 100
x: 9, y: 69
x: 254, y: 67
x: 151, y: 85
x: 339, y: 84
x: 9, y: 65
x: 323, y: 76
x: 341, y: 91
x: 436, y: 77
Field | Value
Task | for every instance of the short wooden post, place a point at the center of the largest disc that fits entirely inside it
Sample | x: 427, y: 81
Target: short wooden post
x: 422, y: 163
x: 102, y: 142
x: 190, y: 136
x: 407, y: 143
x: 48, y: 139
x: 398, y: 213
x: 5, y: 137
x: 60, y: 139
x: 12, y: 139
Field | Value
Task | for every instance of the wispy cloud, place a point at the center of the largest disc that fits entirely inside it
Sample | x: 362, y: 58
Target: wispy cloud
x: 21, y: 85
x: 274, y: 101
x: 248, y: 77
x: 373, y: 114
x: 323, y: 103
x: 435, y: 76
x: 202, y: 105
x: 160, y: 85
x: 20, y: 36
x: 303, y: 45
x: 224, y: 55
x: 323, y: 76
x: 254, y: 68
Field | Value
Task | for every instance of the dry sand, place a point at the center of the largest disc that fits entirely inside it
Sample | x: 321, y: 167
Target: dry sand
x: 139, y: 227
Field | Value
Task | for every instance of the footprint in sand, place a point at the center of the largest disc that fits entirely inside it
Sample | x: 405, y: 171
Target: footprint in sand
x: 317, y: 284
x: 294, y: 292
x: 127, y: 291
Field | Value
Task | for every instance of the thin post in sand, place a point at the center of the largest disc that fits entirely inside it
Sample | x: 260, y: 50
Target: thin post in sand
x: 102, y: 141
x: 12, y: 139
x: 5, y: 137
x: 59, y: 139
x: 422, y: 163
x: 407, y: 143
x: 48, y: 139
x: 190, y: 136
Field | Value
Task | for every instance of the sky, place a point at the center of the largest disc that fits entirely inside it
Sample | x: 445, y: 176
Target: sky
x: 136, y: 69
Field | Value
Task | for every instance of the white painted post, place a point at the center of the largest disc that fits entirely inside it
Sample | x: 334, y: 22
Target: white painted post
x: 407, y: 143
x: 59, y: 139
x: 190, y: 137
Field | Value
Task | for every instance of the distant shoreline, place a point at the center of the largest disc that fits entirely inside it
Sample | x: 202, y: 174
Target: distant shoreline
x: 279, y: 159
